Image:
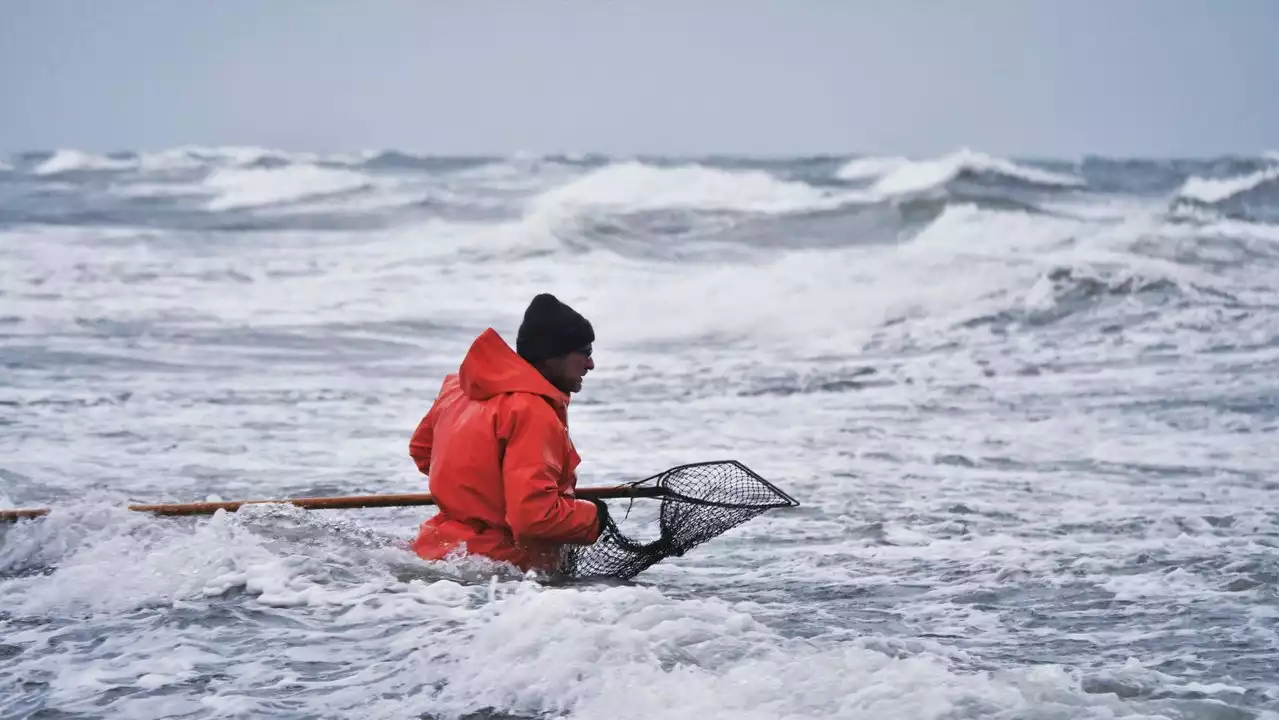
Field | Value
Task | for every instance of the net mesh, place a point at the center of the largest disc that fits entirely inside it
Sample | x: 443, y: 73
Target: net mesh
x: 699, y: 501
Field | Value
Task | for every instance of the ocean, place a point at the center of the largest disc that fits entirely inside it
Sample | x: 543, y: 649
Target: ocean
x: 1028, y: 407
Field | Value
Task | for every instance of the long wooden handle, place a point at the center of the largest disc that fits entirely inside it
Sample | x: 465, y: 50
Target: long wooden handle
x: 330, y: 503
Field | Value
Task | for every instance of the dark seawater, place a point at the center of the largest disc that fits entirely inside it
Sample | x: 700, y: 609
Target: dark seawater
x: 1029, y: 409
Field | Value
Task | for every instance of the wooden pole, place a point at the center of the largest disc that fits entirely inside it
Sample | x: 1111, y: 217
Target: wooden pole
x: 14, y: 515
x: 333, y: 503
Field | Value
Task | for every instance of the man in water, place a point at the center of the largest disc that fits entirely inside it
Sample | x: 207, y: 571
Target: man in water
x: 495, y: 446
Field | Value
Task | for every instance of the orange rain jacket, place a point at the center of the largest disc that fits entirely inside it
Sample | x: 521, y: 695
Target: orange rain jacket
x: 495, y: 446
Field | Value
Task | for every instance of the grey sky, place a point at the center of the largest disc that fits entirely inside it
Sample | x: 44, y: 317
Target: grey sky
x: 919, y: 77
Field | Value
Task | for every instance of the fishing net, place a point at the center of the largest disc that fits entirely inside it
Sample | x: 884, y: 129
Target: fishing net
x: 699, y: 501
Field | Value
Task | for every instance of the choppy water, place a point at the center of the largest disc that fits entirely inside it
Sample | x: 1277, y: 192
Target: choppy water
x: 1029, y: 410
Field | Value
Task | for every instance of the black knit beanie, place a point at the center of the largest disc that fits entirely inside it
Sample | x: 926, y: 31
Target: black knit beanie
x: 550, y: 329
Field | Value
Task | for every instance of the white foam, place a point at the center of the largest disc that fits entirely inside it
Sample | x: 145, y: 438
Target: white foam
x: 390, y: 648
x: 927, y: 174
x: 798, y: 300
x: 184, y: 157
x: 632, y: 653
x: 192, y: 156
x: 68, y: 160
x: 181, y: 158
x: 166, y: 189
x: 870, y: 167
x: 831, y: 297
x: 1218, y: 227
x: 216, y: 558
x: 1212, y: 190
x: 1177, y: 583
x: 240, y: 155
x: 256, y: 187
x: 634, y: 187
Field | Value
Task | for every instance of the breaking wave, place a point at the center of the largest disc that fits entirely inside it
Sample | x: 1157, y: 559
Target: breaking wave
x: 238, y: 188
x: 899, y: 176
x: 1249, y: 197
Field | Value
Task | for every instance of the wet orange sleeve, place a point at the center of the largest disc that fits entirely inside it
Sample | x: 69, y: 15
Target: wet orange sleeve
x: 534, y: 459
x: 420, y: 443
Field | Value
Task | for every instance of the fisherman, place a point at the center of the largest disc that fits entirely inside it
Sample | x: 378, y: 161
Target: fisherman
x: 495, y: 446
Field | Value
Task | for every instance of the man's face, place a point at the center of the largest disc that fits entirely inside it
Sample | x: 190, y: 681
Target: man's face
x: 567, y: 371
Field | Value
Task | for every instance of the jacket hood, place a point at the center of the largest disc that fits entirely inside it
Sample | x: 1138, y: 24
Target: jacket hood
x: 492, y: 368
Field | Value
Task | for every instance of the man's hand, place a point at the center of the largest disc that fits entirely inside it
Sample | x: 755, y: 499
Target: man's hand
x: 603, y: 520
